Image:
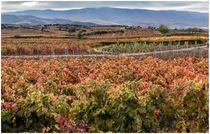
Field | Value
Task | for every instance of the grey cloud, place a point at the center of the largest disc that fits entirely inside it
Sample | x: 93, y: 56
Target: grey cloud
x: 155, y: 5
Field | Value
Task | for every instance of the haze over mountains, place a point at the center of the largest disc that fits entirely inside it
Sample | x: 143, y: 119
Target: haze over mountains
x: 108, y: 16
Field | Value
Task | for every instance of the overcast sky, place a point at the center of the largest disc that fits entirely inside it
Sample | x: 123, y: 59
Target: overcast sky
x: 201, y: 6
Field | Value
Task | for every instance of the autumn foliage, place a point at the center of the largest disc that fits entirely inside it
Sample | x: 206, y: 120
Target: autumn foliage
x: 48, y: 46
x: 105, y: 95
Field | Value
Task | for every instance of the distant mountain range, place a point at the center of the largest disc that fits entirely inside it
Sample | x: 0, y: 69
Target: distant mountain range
x: 108, y: 16
x: 32, y: 20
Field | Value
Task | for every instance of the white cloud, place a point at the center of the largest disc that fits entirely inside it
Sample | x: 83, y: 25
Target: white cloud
x: 30, y: 3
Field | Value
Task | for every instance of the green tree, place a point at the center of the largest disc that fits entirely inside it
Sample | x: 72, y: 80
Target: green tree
x: 163, y: 29
x: 194, y: 30
x: 79, y: 35
x: 72, y: 29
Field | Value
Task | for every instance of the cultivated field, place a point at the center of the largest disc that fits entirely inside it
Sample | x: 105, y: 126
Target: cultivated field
x: 113, y: 79
x: 94, y: 40
x: 94, y: 95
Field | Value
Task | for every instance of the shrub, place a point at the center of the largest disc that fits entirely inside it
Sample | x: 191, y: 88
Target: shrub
x: 34, y: 113
x: 193, y: 109
x: 126, y: 111
x: 163, y: 29
x: 79, y: 35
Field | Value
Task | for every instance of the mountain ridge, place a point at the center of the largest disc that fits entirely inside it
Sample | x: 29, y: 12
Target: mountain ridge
x: 32, y: 20
x: 123, y: 16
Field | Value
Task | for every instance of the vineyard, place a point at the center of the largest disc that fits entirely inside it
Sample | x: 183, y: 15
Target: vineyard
x: 143, y: 47
x: 105, y: 95
x: 64, y: 78
x: 66, y: 46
